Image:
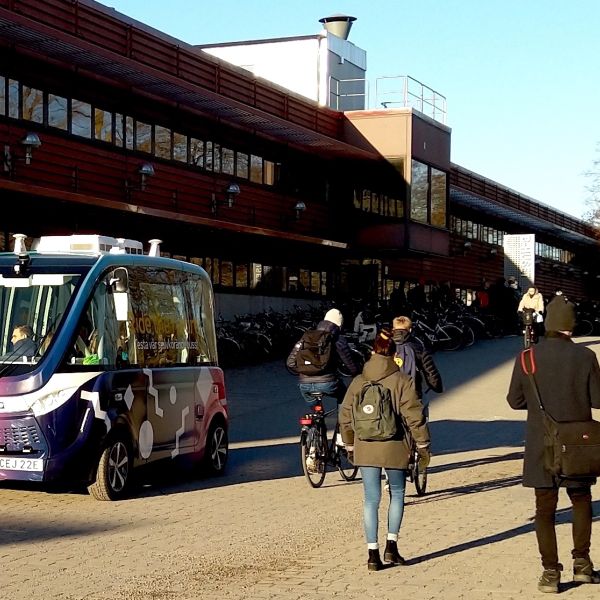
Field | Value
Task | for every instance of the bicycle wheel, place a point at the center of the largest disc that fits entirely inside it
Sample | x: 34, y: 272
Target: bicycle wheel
x: 526, y: 338
x: 313, y: 454
x: 449, y: 337
x: 419, y: 477
x: 468, y: 338
x: 347, y: 470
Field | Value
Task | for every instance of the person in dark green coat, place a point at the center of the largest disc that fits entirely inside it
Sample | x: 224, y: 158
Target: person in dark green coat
x: 392, y: 454
x: 568, y: 379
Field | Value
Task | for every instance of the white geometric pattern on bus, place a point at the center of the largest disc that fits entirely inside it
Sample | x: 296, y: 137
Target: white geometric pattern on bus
x: 153, y: 392
x: 184, y: 413
x: 94, y: 398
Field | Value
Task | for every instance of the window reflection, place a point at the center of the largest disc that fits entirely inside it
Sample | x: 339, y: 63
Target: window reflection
x: 162, y: 142
x: 227, y: 161
x: 2, y: 96
x: 241, y: 165
x: 57, y: 112
x: 143, y: 137
x: 81, y: 119
x: 256, y: 169
x: 119, y: 130
x: 418, y: 192
x: 103, y: 123
x: 33, y: 105
x: 13, y: 99
x: 438, y: 198
x: 180, y: 147
x: 197, y: 153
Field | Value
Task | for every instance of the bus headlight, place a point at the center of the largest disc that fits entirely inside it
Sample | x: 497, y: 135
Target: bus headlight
x: 52, y: 401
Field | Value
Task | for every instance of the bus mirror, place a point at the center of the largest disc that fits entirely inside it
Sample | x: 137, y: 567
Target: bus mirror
x: 121, y: 305
x: 119, y: 280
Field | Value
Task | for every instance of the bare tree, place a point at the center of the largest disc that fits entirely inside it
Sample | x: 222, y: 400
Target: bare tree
x: 592, y: 215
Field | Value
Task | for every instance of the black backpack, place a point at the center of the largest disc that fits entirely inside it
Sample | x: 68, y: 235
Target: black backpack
x: 315, y: 353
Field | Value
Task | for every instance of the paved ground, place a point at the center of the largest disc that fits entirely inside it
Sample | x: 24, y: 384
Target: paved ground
x: 260, y: 532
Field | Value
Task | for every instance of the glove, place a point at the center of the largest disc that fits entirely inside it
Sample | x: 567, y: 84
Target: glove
x: 424, y: 457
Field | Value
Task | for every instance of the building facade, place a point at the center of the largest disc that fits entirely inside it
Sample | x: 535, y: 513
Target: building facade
x: 280, y: 199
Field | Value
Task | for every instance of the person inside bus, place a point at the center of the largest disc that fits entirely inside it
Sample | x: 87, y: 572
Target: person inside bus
x: 22, y: 342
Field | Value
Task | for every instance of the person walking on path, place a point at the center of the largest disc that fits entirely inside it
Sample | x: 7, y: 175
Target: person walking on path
x: 390, y: 454
x: 568, y: 379
x: 415, y: 361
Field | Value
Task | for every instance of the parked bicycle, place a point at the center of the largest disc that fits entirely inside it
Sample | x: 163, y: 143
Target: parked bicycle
x: 316, y: 451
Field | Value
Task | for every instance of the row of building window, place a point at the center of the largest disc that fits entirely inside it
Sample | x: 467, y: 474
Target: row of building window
x: 20, y: 101
x: 381, y: 204
x: 484, y: 233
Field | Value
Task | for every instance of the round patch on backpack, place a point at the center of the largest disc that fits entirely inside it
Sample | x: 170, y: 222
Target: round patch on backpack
x: 368, y: 409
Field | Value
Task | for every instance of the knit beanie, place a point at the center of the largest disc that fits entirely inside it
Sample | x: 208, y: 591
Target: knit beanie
x: 560, y: 315
x: 334, y: 316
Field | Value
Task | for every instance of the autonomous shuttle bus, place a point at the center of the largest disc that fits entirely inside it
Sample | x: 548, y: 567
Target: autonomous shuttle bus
x: 107, y: 362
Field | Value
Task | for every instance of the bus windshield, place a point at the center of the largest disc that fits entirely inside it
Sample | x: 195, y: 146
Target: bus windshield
x: 31, y: 309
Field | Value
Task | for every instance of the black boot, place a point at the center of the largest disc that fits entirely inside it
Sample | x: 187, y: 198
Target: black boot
x: 391, y: 553
x: 374, y: 563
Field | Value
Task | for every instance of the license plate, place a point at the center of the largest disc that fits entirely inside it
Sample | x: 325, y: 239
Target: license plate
x: 11, y: 463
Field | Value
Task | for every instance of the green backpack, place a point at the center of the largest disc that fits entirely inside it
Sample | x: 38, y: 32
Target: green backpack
x: 373, y: 417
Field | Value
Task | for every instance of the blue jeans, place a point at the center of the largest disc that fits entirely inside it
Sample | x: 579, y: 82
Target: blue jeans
x: 371, y: 477
x: 333, y: 389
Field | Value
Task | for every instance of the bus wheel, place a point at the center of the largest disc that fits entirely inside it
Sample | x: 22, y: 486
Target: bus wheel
x: 217, y: 449
x: 114, y: 471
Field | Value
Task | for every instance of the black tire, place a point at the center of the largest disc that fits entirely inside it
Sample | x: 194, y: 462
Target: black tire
x: 312, y: 445
x: 526, y: 338
x: 468, y: 338
x: 113, y: 475
x: 419, y: 478
x: 454, y: 337
x: 347, y: 470
x: 217, y: 449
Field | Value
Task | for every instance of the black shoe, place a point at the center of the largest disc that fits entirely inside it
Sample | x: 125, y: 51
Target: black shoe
x: 550, y: 580
x: 391, y: 553
x: 583, y: 571
x: 374, y: 563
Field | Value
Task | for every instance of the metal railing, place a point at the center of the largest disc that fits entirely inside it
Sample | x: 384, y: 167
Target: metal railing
x: 406, y: 92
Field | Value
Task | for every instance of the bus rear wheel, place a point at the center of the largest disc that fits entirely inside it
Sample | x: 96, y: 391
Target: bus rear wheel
x: 113, y: 474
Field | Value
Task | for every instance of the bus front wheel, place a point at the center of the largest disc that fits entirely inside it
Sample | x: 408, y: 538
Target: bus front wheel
x: 113, y: 474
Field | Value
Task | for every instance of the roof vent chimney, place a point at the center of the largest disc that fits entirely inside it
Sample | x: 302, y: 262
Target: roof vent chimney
x: 338, y: 25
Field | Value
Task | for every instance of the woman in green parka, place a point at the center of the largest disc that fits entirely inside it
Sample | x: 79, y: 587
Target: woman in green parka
x: 391, y: 455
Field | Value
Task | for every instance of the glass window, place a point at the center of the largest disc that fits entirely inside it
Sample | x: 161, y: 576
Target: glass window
x: 162, y: 142
x: 399, y: 207
x: 129, y: 137
x: 256, y: 169
x: 226, y: 273
x: 315, y: 282
x: 81, y: 118
x: 201, y: 324
x: 255, y: 274
x: 13, y: 99
x: 324, y: 283
x: 208, y: 266
x: 438, y: 198
x: 217, y: 158
x: 366, y: 200
x: 2, y: 96
x: 357, y: 199
x: 57, y: 112
x: 375, y: 203
x: 227, y: 161
x: 143, y: 137
x: 241, y: 276
x: 216, y: 271
x: 241, y: 165
x: 418, y: 193
x: 103, y: 125
x: 33, y: 105
x: 269, y: 172
x: 119, y: 130
x: 197, y: 152
x: 209, y: 163
x: 304, y: 283
x: 180, y: 147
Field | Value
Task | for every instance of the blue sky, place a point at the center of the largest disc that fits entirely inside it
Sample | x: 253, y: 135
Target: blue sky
x: 521, y: 77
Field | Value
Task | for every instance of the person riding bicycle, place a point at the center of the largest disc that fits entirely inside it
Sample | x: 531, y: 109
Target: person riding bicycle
x: 328, y: 382
x: 533, y: 300
x: 415, y: 361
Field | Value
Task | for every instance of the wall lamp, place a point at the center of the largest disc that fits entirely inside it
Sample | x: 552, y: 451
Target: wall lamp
x: 493, y: 251
x: 145, y: 170
x: 29, y: 142
x: 299, y: 208
x: 231, y: 191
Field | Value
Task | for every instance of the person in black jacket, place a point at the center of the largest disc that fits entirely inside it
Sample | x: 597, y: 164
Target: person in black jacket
x: 415, y: 361
x: 329, y: 382
x: 568, y: 379
x: 22, y: 342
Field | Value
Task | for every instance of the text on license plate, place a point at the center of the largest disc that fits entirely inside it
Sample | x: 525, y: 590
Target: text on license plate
x: 12, y: 463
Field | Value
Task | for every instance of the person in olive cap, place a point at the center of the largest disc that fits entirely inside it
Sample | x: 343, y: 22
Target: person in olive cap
x: 568, y: 379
